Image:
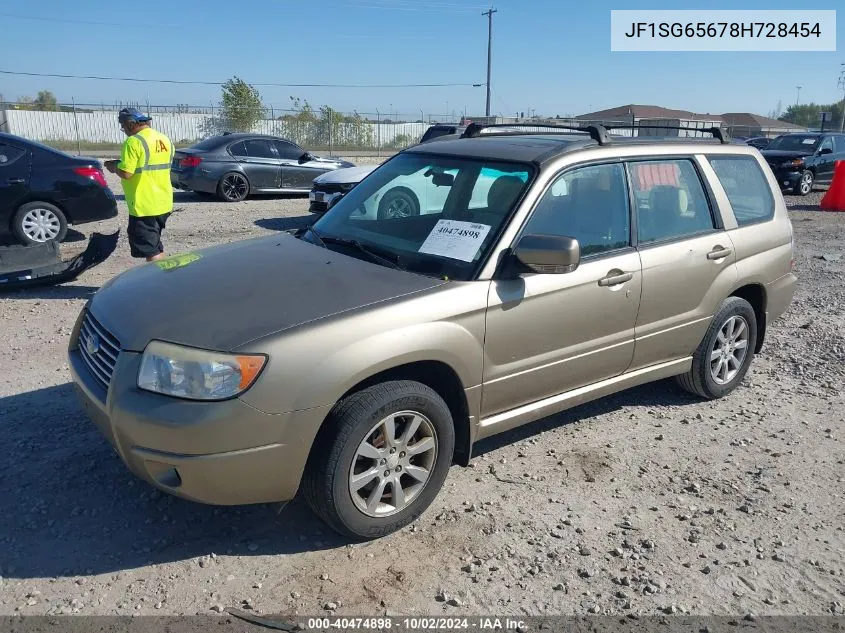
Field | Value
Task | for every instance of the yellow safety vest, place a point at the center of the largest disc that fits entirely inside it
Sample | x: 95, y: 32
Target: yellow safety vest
x: 147, y: 155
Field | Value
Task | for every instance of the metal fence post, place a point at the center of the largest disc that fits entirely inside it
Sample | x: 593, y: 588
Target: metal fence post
x: 76, y: 125
x: 378, y: 134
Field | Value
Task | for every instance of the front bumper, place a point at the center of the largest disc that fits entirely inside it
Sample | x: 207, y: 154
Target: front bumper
x: 787, y: 177
x: 321, y: 201
x: 220, y: 453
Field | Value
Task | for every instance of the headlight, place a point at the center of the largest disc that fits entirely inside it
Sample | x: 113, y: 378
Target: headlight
x: 347, y: 186
x: 195, y: 374
x: 797, y: 162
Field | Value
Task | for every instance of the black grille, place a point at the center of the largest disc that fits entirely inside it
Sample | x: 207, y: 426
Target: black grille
x: 98, y: 348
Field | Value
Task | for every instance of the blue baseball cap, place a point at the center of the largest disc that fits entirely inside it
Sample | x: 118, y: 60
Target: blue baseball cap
x: 132, y: 114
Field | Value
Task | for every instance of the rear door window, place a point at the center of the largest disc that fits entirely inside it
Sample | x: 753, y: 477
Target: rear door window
x: 258, y: 148
x: 746, y: 186
x: 839, y: 143
x: 9, y: 154
x: 670, y: 199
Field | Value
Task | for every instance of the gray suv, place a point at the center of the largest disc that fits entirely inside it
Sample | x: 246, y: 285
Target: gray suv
x: 358, y: 360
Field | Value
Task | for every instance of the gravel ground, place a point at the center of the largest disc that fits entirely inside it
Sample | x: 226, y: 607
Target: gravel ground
x: 646, y: 502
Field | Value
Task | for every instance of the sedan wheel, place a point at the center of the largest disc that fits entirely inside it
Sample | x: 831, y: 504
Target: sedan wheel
x: 39, y: 222
x: 233, y: 187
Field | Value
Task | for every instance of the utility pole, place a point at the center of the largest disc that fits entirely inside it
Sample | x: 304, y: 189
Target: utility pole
x: 842, y: 86
x: 489, y: 15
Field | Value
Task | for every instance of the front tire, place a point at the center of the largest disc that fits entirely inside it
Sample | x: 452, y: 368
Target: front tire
x: 805, y: 184
x: 725, y: 353
x: 38, y: 223
x: 398, y: 203
x: 381, y: 459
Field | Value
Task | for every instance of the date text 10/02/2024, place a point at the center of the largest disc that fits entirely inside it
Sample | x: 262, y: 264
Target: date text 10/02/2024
x: 417, y: 624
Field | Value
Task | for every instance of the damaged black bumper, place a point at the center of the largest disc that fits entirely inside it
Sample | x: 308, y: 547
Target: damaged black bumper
x: 41, y: 265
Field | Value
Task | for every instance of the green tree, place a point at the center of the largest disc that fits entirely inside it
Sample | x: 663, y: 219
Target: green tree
x: 46, y: 100
x: 241, y: 107
x: 807, y: 115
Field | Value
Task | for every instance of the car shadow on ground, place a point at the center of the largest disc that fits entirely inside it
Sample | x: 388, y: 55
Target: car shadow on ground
x: 287, y: 223
x: 78, y: 510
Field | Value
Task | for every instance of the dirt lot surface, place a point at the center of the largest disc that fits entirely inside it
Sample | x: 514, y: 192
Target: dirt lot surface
x: 649, y: 501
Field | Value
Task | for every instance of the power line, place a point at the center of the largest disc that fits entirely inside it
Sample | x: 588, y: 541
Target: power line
x: 220, y: 83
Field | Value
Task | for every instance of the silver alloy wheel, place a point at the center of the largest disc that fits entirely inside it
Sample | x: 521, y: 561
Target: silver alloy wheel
x: 806, y: 184
x: 399, y: 207
x: 41, y: 225
x: 729, y: 350
x: 234, y: 186
x: 393, y: 464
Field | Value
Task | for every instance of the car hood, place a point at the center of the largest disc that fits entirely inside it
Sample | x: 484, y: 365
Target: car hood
x: 226, y: 296
x: 784, y: 155
x: 344, y: 176
x: 322, y: 161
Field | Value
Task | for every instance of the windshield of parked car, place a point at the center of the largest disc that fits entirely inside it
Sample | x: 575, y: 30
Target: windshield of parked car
x: 795, y: 143
x: 429, y: 214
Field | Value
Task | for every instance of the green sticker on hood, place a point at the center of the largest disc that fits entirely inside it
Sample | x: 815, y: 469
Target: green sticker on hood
x: 177, y: 261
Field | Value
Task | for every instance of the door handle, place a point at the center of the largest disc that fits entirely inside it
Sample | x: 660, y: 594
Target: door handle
x: 16, y: 181
x: 616, y: 279
x: 719, y: 252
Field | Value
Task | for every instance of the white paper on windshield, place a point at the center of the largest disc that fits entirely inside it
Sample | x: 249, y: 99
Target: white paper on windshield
x: 808, y: 141
x: 455, y: 239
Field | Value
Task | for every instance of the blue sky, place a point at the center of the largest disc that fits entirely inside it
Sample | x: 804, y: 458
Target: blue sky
x: 550, y: 56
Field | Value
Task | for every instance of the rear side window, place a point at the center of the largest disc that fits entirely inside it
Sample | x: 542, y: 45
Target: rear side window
x: 670, y: 200
x: 747, y: 188
x: 9, y: 155
x: 238, y: 149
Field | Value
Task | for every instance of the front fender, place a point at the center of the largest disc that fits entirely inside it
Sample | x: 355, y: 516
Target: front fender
x: 315, y: 365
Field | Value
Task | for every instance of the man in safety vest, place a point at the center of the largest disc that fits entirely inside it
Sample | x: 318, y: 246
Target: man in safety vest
x: 144, y: 169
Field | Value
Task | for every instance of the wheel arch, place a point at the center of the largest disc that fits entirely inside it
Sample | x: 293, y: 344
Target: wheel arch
x: 755, y: 294
x: 437, y: 375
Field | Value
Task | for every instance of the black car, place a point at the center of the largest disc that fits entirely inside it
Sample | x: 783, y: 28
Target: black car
x: 760, y: 142
x: 233, y: 166
x: 801, y: 160
x: 43, y: 190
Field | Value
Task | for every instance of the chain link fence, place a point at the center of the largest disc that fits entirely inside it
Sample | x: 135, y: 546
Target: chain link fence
x: 86, y: 127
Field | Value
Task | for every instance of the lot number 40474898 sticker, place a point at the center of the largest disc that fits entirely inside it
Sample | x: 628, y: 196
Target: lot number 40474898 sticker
x: 455, y: 239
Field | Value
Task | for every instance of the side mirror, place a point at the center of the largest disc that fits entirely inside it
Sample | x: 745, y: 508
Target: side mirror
x: 825, y: 150
x: 307, y: 157
x: 548, y: 254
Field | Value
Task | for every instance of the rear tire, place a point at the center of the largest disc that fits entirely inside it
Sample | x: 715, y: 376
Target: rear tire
x: 725, y: 353
x: 364, y: 483
x: 233, y: 187
x: 38, y: 223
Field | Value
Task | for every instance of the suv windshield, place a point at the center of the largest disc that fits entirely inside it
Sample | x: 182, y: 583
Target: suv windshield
x: 433, y: 215
x: 795, y: 142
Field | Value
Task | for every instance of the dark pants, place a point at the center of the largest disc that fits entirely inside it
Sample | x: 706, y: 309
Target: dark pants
x: 145, y: 235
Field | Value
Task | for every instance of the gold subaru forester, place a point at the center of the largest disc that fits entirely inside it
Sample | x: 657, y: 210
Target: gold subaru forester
x: 523, y: 273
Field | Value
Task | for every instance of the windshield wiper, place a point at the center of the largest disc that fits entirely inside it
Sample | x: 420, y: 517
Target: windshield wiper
x: 366, y: 250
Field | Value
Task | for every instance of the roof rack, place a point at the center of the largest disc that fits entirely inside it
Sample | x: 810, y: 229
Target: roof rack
x: 597, y: 132
x: 717, y: 132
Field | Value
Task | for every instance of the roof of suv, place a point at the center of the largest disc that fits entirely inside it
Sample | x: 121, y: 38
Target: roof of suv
x: 538, y: 148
